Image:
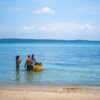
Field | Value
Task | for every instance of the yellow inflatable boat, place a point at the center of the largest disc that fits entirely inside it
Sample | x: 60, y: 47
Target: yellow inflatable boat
x: 37, y: 68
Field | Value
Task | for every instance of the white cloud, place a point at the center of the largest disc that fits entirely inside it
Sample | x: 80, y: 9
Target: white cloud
x: 27, y: 29
x: 57, y: 31
x: 69, y: 28
x: 66, y: 28
x: 45, y: 10
x: 69, y: 31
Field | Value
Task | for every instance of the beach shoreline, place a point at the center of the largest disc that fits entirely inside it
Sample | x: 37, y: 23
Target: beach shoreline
x: 38, y: 92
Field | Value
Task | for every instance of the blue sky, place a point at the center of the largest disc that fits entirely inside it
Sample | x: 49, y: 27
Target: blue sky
x: 50, y: 19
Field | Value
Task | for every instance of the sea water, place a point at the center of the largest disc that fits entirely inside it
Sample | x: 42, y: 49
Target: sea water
x: 65, y: 63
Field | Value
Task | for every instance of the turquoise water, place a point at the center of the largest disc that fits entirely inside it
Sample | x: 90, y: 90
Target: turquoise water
x: 65, y: 63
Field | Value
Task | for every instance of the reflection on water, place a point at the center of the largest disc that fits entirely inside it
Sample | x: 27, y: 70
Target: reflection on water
x: 30, y: 77
x: 17, y: 75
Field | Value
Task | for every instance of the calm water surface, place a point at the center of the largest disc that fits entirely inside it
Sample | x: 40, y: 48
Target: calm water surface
x: 65, y: 63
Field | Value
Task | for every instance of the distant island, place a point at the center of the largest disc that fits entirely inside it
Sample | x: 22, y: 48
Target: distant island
x: 11, y: 40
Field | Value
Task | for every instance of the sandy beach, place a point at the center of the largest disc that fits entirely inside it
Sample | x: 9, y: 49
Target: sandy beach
x: 20, y: 92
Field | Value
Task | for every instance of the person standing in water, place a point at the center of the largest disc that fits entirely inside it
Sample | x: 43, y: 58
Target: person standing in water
x: 18, y: 61
x: 28, y: 63
x: 33, y: 60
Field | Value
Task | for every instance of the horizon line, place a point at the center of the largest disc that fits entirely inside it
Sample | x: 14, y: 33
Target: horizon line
x: 49, y: 39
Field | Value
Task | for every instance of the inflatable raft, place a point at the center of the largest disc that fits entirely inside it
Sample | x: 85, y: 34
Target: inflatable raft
x: 37, y: 68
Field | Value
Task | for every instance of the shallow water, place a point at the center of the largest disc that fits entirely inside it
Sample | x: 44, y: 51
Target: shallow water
x: 65, y: 63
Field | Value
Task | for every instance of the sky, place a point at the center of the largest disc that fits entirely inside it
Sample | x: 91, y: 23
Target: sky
x: 50, y: 19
